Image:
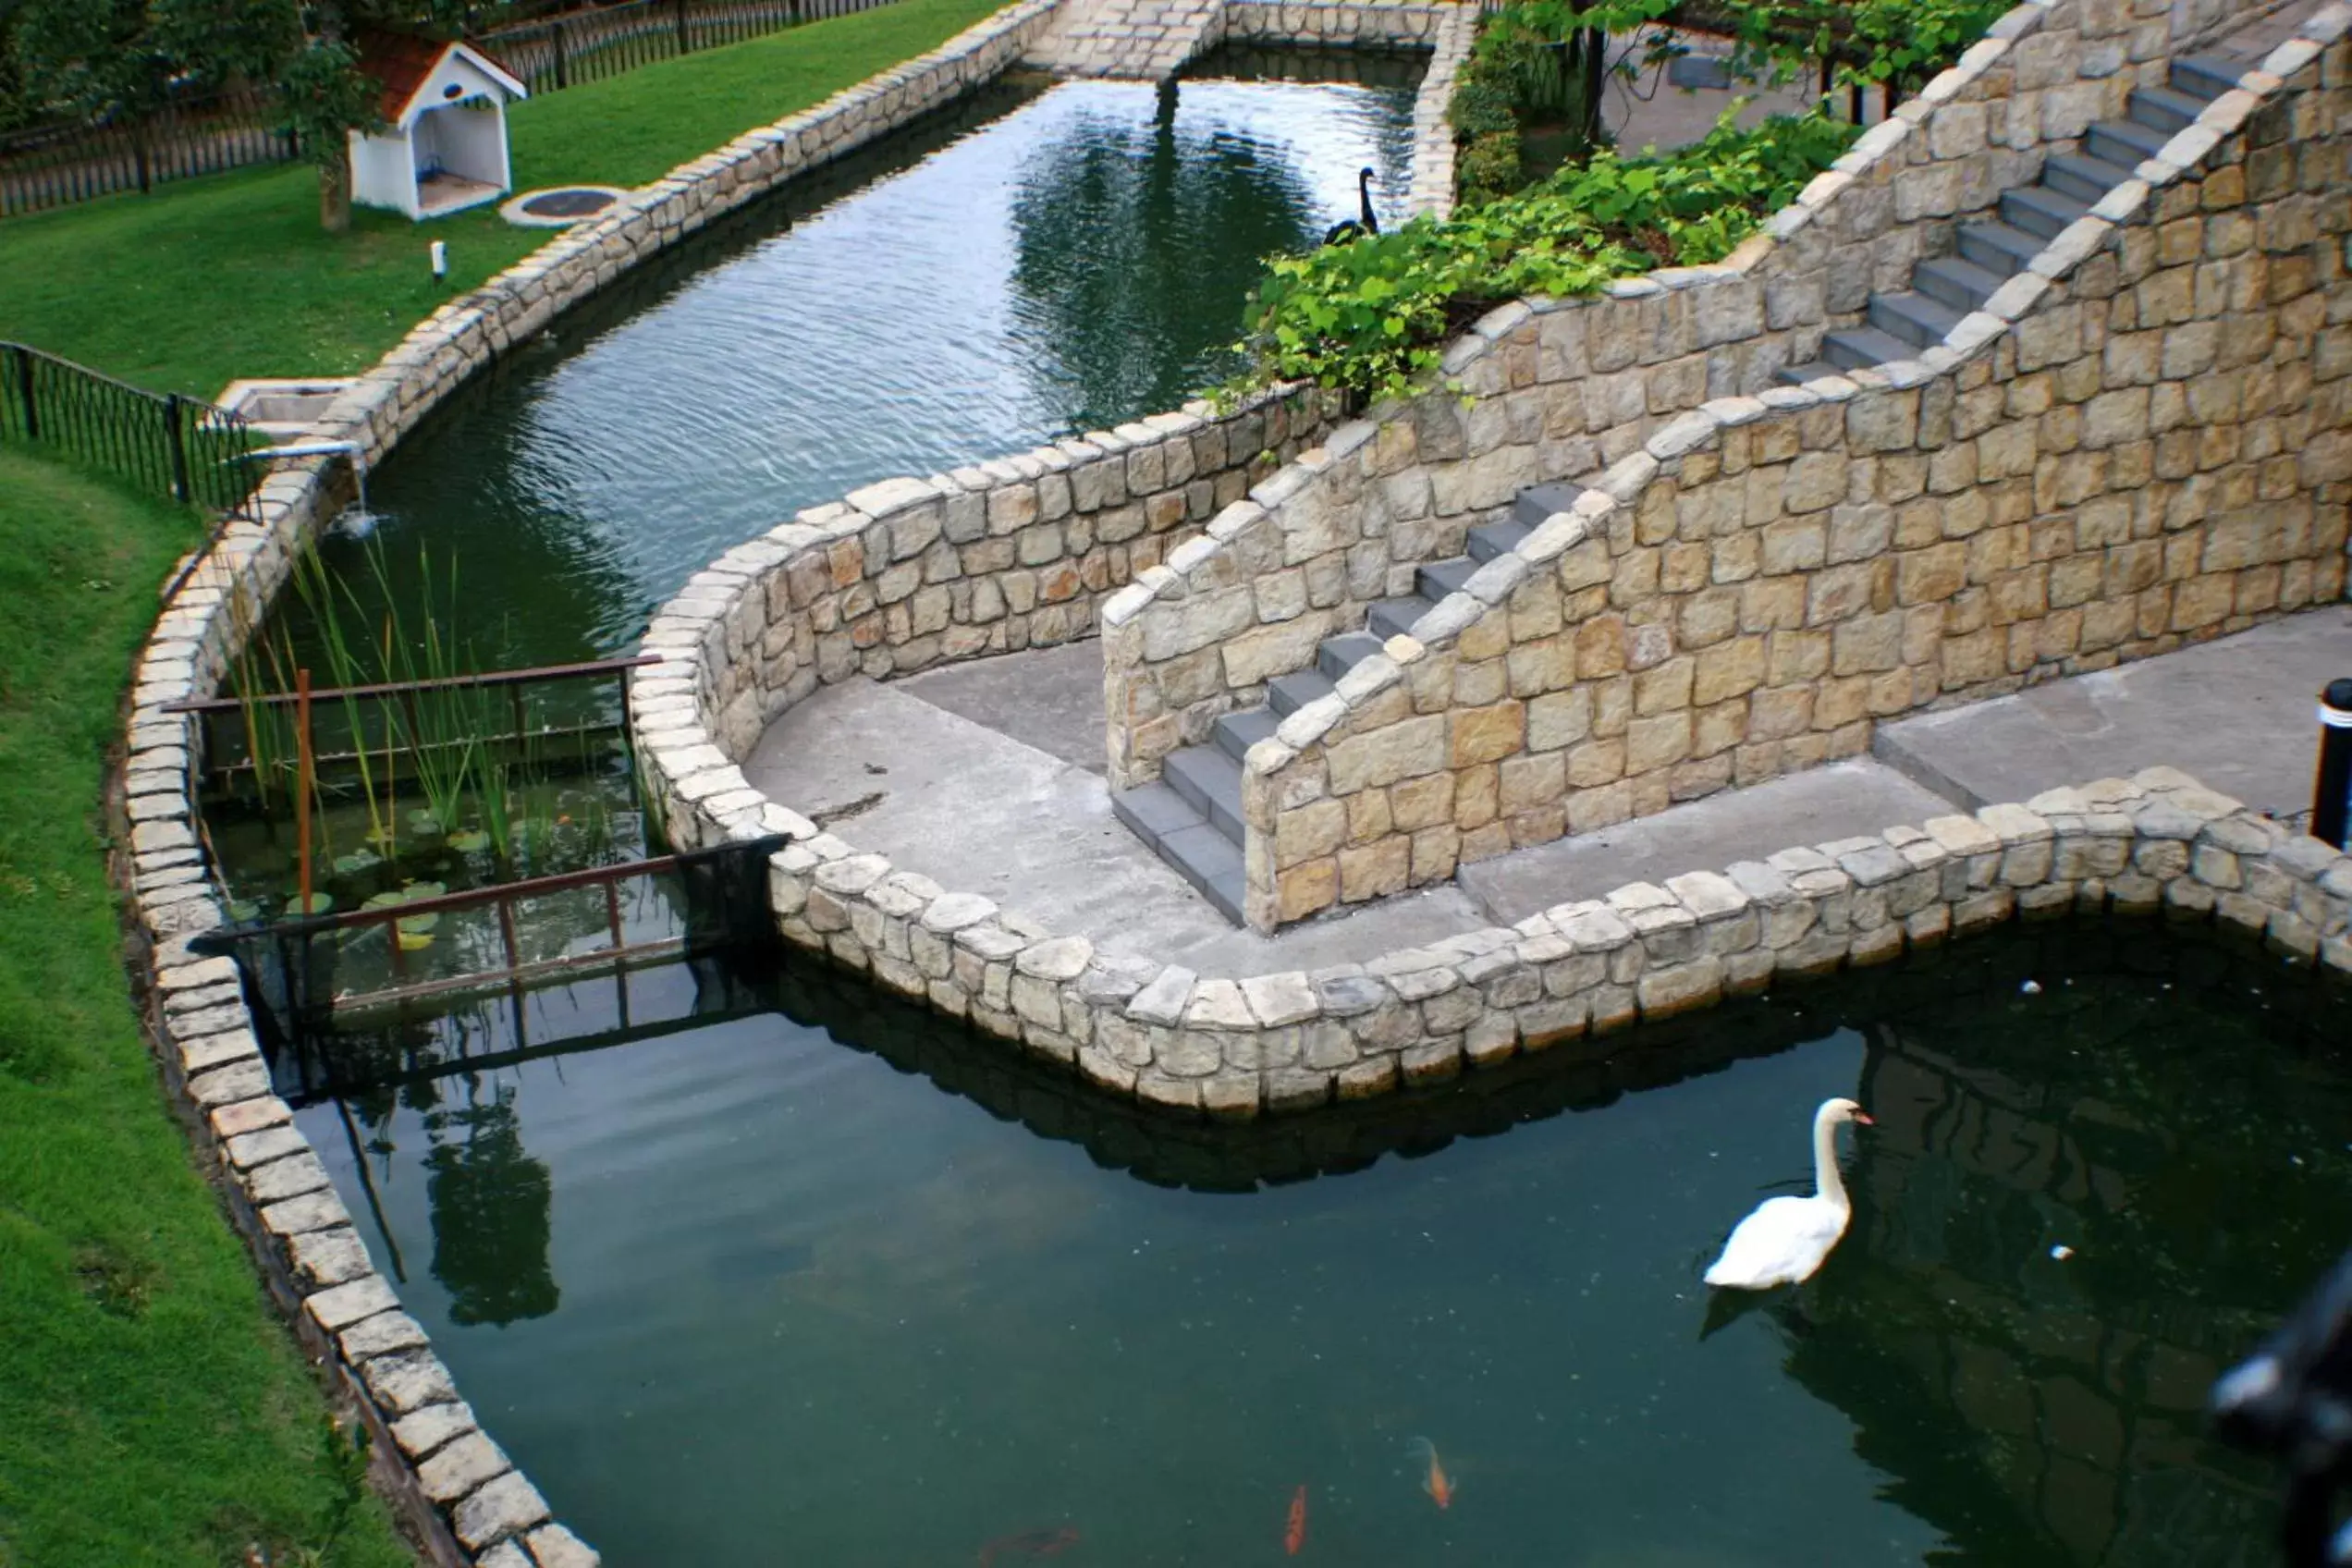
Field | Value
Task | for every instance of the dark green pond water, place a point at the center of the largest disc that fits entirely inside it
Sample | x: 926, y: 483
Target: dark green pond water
x: 831, y: 1284
x: 1039, y: 261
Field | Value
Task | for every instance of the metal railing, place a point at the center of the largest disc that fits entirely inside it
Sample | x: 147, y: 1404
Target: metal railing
x: 161, y: 442
x: 291, y: 963
x: 68, y: 160
x: 583, y: 46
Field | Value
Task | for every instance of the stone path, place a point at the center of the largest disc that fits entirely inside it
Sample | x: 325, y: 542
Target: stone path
x: 986, y: 776
x: 1133, y: 39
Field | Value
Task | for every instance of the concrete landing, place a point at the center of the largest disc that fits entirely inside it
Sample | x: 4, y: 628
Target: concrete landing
x: 1841, y: 801
x: 979, y: 810
x: 2239, y: 714
x: 988, y: 777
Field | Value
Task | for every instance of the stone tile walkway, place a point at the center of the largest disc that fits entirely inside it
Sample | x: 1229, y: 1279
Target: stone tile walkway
x: 986, y: 776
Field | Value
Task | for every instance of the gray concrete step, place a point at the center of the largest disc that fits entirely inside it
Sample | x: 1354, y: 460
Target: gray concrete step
x: 2085, y: 179
x: 1998, y: 247
x: 1861, y: 347
x: 1210, y: 782
x: 1957, y: 281
x: 2206, y: 76
x: 2124, y: 141
x: 1237, y: 732
x: 1539, y: 502
x: 1915, y: 318
x: 1394, y: 618
x: 1288, y: 693
x: 2037, y: 209
x: 2165, y: 109
x: 1438, y: 579
x: 1811, y: 369
x: 1174, y: 831
x: 1339, y: 655
x: 1497, y: 538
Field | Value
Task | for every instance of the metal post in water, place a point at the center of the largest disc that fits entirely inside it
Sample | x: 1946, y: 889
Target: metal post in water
x: 2331, y: 791
x: 302, y: 782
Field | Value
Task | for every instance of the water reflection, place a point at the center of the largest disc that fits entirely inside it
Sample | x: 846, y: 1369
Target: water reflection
x: 806, y: 1295
x: 1033, y: 260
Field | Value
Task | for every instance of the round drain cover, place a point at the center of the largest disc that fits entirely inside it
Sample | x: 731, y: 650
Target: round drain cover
x: 568, y: 203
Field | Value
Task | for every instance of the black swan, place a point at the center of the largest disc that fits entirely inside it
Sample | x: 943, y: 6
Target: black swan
x: 1357, y: 227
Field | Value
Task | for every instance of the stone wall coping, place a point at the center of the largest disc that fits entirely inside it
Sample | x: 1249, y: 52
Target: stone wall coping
x: 1288, y: 1042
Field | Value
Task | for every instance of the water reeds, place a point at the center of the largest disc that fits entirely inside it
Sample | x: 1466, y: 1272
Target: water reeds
x: 473, y: 771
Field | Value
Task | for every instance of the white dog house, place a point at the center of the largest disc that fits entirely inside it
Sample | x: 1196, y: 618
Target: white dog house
x: 444, y: 147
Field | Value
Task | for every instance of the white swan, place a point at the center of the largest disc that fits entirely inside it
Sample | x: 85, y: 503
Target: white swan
x: 1786, y: 1239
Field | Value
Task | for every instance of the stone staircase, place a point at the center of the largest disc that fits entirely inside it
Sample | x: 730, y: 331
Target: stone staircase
x: 1992, y: 251
x: 1131, y: 39
x: 1192, y: 819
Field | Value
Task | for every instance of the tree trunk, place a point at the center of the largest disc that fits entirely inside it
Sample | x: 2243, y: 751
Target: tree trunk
x: 334, y: 194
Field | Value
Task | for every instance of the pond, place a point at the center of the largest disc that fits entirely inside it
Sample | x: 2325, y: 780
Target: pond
x: 1039, y: 261
x: 813, y: 1274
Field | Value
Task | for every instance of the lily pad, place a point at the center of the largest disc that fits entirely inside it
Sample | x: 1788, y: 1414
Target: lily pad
x: 423, y: 824
x: 414, y: 941
x: 418, y: 924
x: 243, y: 910
x: 423, y: 889
x: 469, y: 841
x: 383, y: 901
x: 321, y: 903
x: 357, y: 863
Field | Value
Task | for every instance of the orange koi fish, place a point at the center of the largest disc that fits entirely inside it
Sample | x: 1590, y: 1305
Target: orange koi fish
x: 1440, y: 1489
x: 1294, y: 1535
x: 1029, y: 1543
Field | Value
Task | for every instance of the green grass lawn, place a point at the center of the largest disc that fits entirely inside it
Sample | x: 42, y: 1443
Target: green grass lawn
x: 152, y: 1407
x: 211, y: 279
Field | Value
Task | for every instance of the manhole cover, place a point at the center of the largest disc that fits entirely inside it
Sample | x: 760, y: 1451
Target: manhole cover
x: 568, y: 203
x: 559, y: 205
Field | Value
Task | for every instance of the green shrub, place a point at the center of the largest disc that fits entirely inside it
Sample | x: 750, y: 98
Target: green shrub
x: 1369, y: 316
x: 1490, y: 168
x: 1479, y: 107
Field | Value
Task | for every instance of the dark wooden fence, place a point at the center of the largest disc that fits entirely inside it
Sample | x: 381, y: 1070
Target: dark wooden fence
x: 160, y: 441
x: 582, y: 46
x: 72, y: 161
x: 49, y: 165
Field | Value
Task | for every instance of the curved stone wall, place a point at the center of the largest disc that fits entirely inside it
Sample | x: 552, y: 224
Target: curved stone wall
x: 461, y: 1494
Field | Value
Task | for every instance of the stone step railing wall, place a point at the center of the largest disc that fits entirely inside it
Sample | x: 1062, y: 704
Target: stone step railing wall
x: 1545, y: 390
x: 2007, y: 510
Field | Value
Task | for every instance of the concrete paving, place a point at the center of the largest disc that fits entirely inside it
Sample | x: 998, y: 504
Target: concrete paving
x: 1049, y: 698
x: 1837, y: 802
x: 2238, y: 712
x: 982, y: 811
x: 988, y: 777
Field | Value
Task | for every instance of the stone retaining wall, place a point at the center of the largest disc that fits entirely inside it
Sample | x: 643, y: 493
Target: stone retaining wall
x: 2142, y: 439
x: 1544, y: 390
x: 907, y: 574
x: 457, y: 1488
x: 1297, y: 1040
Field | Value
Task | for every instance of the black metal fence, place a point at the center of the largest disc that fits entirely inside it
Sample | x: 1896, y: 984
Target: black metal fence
x: 583, y: 46
x: 172, y: 446
x: 50, y: 165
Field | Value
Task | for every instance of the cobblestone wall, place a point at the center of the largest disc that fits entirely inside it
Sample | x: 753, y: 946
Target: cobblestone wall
x: 2141, y: 440
x: 1545, y: 390
x: 458, y: 1491
x: 1009, y: 554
